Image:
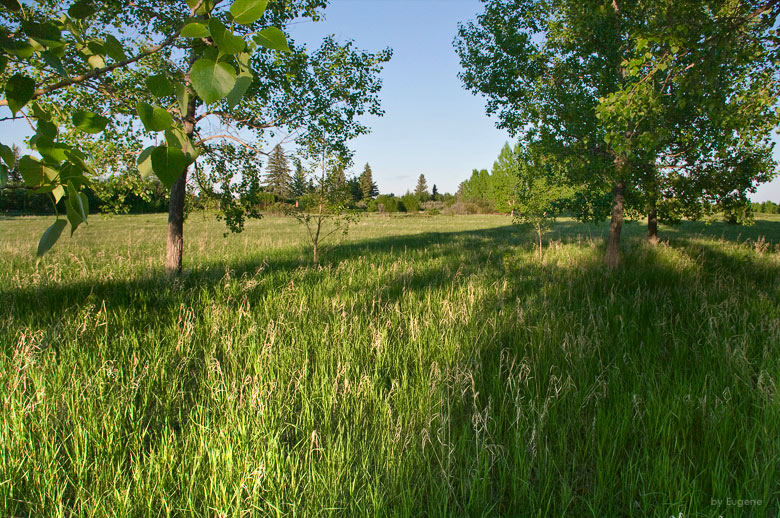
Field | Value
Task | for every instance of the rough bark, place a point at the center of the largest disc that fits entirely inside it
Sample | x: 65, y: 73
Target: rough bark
x: 175, y: 240
x: 652, y: 223
x: 612, y: 258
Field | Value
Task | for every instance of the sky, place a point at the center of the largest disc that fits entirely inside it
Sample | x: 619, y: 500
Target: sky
x: 432, y: 125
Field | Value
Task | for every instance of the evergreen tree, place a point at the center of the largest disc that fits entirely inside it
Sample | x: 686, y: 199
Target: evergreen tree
x: 355, y: 189
x: 299, y: 185
x: 434, y: 193
x: 367, y: 184
x: 277, y: 177
x: 337, y: 179
x: 422, y: 188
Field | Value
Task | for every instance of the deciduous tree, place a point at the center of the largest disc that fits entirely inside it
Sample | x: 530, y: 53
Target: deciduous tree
x: 643, y: 99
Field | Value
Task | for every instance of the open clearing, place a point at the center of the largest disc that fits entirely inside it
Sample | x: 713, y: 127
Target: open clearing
x: 432, y: 366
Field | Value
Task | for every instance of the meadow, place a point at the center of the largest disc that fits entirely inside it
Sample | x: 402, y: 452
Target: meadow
x: 429, y: 366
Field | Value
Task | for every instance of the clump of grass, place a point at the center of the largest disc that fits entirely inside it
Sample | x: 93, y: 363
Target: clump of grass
x: 428, y: 366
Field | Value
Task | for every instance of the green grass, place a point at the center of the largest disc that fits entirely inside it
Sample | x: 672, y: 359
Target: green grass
x: 432, y: 366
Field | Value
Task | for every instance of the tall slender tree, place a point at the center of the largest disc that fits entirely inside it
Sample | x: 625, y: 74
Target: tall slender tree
x: 421, y: 190
x: 300, y: 184
x: 367, y: 184
x: 277, y: 177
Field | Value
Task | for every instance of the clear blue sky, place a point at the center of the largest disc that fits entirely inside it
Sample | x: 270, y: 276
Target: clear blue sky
x: 431, y: 124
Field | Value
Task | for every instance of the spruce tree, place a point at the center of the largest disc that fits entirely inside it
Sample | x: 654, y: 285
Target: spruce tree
x: 422, y: 188
x: 367, y: 184
x: 299, y: 185
x: 277, y: 176
x: 434, y: 193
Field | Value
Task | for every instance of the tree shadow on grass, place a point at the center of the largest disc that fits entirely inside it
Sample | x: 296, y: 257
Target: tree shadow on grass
x: 570, y: 378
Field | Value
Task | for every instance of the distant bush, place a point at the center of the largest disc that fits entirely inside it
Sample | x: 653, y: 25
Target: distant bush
x: 466, y: 207
x: 383, y: 203
x: 410, y: 203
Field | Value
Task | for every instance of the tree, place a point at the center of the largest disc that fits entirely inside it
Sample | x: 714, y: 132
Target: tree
x: 503, y: 180
x: 299, y: 185
x: 324, y: 211
x: 541, y: 193
x: 421, y: 191
x: 434, y: 193
x: 367, y: 184
x: 200, y: 68
x: 646, y: 100
x: 277, y: 177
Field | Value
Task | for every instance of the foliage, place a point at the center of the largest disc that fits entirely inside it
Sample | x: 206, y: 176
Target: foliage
x: 277, y: 177
x: 649, y: 100
x: 541, y: 194
x: 368, y: 187
x: 195, y: 81
x: 410, y: 203
x: 421, y: 190
x: 325, y: 212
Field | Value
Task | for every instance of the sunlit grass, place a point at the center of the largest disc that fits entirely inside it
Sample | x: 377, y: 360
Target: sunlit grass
x: 431, y: 366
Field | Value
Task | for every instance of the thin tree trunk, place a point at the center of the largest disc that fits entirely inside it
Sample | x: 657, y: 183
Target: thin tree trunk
x: 652, y: 221
x: 539, y: 233
x: 612, y: 258
x: 175, y: 240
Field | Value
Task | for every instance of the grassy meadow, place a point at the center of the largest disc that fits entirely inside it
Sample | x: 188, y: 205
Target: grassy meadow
x: 431, y: 366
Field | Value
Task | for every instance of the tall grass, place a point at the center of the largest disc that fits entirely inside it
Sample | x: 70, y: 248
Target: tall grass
x: 431, y: 366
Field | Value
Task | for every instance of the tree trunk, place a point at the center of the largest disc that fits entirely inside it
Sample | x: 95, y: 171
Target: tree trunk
x: 539, y: 233
x: 175, y: 240
x: 652, y: 222
x: 612, y: 258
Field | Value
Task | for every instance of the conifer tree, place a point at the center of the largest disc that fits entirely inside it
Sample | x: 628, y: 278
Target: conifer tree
x: 299, y: 185
x: 367, y: 184
x: 422, y: 188
x: 277, y: 176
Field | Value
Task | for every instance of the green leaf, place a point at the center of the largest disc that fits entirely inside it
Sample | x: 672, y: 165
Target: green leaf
x: 96, y: 61
x: 46, y: 128
x: 31, y: 170
x: 205, y: 7
x: 153, y: 118
x: 226, y: 41
x: 246, y: 12
x: 212, y: 81
x: 113, y: 47
x: 3, y: 175
x: 89, y: 122
x: 168, y: 164
x: 272, y: 38
x: 18, y: 92
x: 58, y: 192
x: 7, y: 154
x: 54, y: 62
x: 51, y: 236
x: 243, y: 82
x: 183, y: 98
x: 159, y: 86
x: 76, y: 202
x: 175, y: 137
x: 144, y: 162
x: 82, y: 9
x: 3, y: 63
x: 50, y: 150
x: 195, y: 30
x: 12, y: 5
x: 20, y: 49
x: 73, y: 212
